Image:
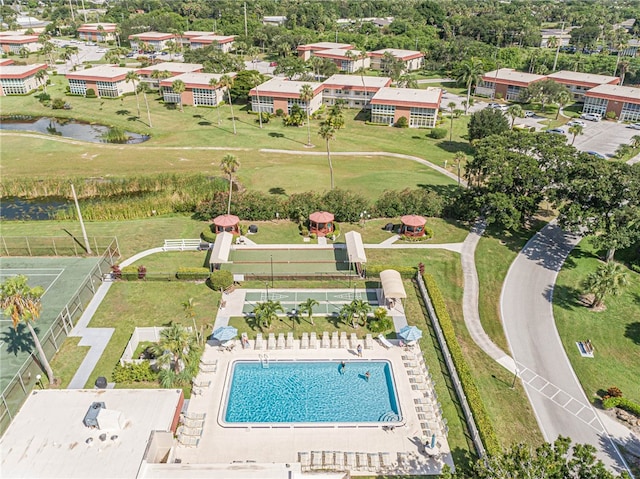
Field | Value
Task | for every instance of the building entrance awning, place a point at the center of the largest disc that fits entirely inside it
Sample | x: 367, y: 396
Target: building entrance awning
x: 355, y: 248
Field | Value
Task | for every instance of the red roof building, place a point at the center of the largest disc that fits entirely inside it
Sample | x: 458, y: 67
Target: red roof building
x: 578, y: 83
x: 419, y: 106
x: 97, y: 32
x: 354, y: 90
x: 348, y: 60
x: 413, y: 225
x: 20, y: 79
x: 623, y: 101
x: 321, y: 223
x: 280, y: 94
x: 413, y: 60
x: 150, y: 73
x: 307, y: 51
x: 198, y: 89
x: 15, y: 43
x: 228, y: 223
x: 155, y: 41
x: 105, y: 80
x: 222, y: 42
x: 505, y: 83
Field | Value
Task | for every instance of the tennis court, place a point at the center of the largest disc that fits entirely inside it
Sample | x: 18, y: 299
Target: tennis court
x: 329, y: 302
x: 61, y: 278
x: 287, y: 261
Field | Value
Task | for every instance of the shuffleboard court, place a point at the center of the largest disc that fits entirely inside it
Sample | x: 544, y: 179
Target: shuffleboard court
x: 287, y: 261
x: 61, y: 278
x: 329, y: 302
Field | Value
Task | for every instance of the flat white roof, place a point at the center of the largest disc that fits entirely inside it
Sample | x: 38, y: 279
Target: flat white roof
x: 356, y: 81
x: 18, y: 70
x: 19, y: 38
x: 338, y: 52
x: 152, y: 35
x: 280, y: 85
x: 398, y: 53
x: 427, y: 96
x: 392, y: 284
x: 101, y: 71
x: 195, y: 78
x: 212, y: 38
x: 47, y: 438
x: 623, y: 92
x: 174, y: 67
x: 511, y: 75
x: 355, y: 248
x: 324, y: 46
x: 221, y: 248
x: 582, y: 77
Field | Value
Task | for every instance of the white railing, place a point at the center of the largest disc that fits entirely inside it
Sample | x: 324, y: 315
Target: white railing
x: 181, y: 244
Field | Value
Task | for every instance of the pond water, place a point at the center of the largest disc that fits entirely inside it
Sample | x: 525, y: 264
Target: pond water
x: 65, y: 128
x: 13, y: 208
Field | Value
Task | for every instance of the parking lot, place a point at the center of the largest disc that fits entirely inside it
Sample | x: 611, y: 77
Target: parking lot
x: 603, y: 137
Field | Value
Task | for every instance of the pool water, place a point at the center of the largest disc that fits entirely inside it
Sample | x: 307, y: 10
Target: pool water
x: 311, y: 392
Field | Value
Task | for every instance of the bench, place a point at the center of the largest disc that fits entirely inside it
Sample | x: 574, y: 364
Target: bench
x: 182, y: 244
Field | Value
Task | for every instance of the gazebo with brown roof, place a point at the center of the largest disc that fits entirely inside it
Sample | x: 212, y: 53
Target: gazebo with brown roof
x: 321, y: 223
x: 228, y: 223
x: 413, y: 225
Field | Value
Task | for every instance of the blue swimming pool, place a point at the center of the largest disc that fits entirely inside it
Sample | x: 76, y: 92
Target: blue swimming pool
x: 311, y: 392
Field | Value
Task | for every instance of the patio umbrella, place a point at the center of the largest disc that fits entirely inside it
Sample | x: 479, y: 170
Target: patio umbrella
x: 225, y: 333
x: 410, y: 333
x: 433, y: 441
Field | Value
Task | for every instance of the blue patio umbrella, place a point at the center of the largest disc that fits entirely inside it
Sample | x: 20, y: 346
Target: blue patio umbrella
x: 410, y: 333
x: 433, y: 441
x: 225, y: 333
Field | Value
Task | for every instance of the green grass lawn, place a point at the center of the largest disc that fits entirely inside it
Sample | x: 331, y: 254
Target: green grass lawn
x: 614, y: 333
x: 444, y: 231
x: 67, y: 360
x: 136, y: 304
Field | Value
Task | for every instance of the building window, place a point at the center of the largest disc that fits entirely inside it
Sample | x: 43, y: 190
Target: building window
x: 383, y: 114
x: 169, y: 96
x: 297, y: 101
x: 422, y: 117
x: 513, y: 92
x: 77, y: 87
x: 204, y: 96
x: 595, y: 105
x: 108, y: 89
x: 265, y: 105
x: 630, y: 112
x: 13, y: 86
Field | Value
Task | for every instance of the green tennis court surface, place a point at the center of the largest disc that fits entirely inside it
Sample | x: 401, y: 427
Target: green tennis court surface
x: 329, y: 301
x: 287, y: 261
x: 61, y: 278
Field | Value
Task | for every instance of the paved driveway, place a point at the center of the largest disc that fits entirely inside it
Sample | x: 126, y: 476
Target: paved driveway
x: 556, y: 396
x: 604, y: 137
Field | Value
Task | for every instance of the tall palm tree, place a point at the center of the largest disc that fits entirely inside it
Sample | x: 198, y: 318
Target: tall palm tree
x: 328, y: 133
x: 306, y: 95
x: 227, y: 82
x: 515, y: 111
x: 23, y: 304
x: 144, y: 87
x: 100, y: 36
x: 452, y: 106
x: 469, y: 75
x: 609, y: 279
x: 459, y: 157
x: 40, y: 77
x: 360, y: 310
x: 307, y: 308
x: 229, y: 165
x: 552, y: 42
x: 266, y: 313
x: 575, y: 130
x: 179, y: 87
x: 214, y: 83
x: 133, y: 77
x: 563, y: 99
x: 174, y: 347
x: 160, y: 75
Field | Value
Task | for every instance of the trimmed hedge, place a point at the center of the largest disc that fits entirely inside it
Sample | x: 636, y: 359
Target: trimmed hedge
x: 134, y: 373
x: 220, y: 279
x: 480, y: 415
x: 622, y: 403
x: 406, y: 272
x: 193, y: 273
x: 208, y: 235
x: 130, y: 273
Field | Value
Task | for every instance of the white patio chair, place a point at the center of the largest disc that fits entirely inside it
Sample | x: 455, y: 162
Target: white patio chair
x: 386, y: 460
x: 289, y: 343
x: 190, y: 431
x: 304, y: 341
x: 368, y: 342
x: 362, y: 460
x: 259, y: 342
x: 189, y: 441
x: 201, y: 383
x: 384, y: 341
x: 350, y: 460
x: 208, y: 368
x: 280, y: 342
x: 196, y: 415
x: 354, y: 341
x: 208, y: 361
x: 374, y: 461
x: 313, y: 341
x: 329, y: 459
x: 316, y: 460
x: 193, y: 422
x: 335, y: 343
x: 271, y: 342
x: 339, y: 460
x: 344, y: 342
x: 326, y: 343
x: 305, y: 460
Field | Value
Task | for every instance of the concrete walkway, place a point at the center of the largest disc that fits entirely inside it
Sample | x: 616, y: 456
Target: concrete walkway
x: 96, y: 338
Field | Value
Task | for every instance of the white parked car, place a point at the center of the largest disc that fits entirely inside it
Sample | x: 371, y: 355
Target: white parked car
x: 577, y: 123
x: 634, y: 126
x: 529, y: 114
x: 591, y: 116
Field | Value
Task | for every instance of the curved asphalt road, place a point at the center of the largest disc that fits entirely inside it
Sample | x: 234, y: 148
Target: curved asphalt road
x: 557, y: 397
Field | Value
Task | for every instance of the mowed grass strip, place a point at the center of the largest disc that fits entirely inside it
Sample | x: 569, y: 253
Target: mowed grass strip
x: 614, y: 332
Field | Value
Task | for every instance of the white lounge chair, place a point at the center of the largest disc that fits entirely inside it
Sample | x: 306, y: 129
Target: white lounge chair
x: 190, y: 431
x: 196, y: 415
x: 386, y: 460
x: 344, y: 342
x: 313, y: 341
x: 208, y: 368
x: 305, y: 460
x: 374, y: 461
x: 368, y: 342
x: 271, y: 342
x: 201, y: 383
x: 259, y: 342
x: 350, y: 460
x: 354, y: 341
x: 280, y: 342
x: 329, y: 459
x: 304, y: 341
x: 208, y: 361
x: 193, y: 422
x: 189, y: 441
x: 335, y: 342
x: 363, y: 460
x: 384, y: 341
x: 326, y: 343
x: 316, y: 460
x: 289, y: 343
x: 339, y: 460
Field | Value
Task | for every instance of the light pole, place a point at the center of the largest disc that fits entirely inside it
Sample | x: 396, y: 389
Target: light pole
x: 39, y: 381
x: 515, y: 375
x: 349, y: 271
x: 266, y: 284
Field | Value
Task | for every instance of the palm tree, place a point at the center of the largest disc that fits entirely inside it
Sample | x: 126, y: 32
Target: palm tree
x: 267, y: 312
x: 328, y: 133
x: 133, y: 77
x: 253, y: 53
x: 178, y: 88
x: 307, y: 308
x: 469, y: 75
x: 41, y: 78
x: 24, y: 52
x: 100, y: 33
x: 172, y: 47
x: 160, y: 75
x: 347, y: 315
x: 552, y: 42
x: 22, y: 304
x: 576, y: 130
x: 563, y: 99
x: 227, y: 82
x: 306, y: 95
x: 360, y: 310
x: 452, y: 106
x: 515, y: 111
x: 74, y: 51
x: 143, y: 87
x: 214, y: 83
x: 178, y: 349
x: 459, y: 158
x: 189, y: 309
x: 609, y: 279
x: 112, y: 57
x: 229, y: 165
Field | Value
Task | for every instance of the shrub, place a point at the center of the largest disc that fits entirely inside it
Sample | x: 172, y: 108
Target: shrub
x: 57, y: 104
x: 116, y: 272
x: 304, y: 231
x: 498, y: 96
x: 438, y: 133
x: 611, y: 115
x: 279, y: 112
x: 380, y: 325
x: 394, y: 203
x: 91, y: 93
x: 402, y: 122
x: 265, y: 117
x: 134, y: 373
x: 193, y: 274
x: 208, y: 235
x: 406, y: 272
x: 622, y: 403
x: 142, y: 271
x: 614, y: 392
x: 43, y: 97
x: 130, y: 273
x: 220, y: 279
x: 485, y: 428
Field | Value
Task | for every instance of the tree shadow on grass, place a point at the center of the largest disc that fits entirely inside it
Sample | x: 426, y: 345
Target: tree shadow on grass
x: 205, y: 123
x: 277, y: 190
x: 632, y: 331
x: 446, y: 191
x: 18, y: 340
x: 275, y: 134
x: 455, y: 146
x: 566, y: 297
x: 123, y: 112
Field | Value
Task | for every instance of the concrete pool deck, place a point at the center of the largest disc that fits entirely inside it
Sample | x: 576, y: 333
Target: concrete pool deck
x: 284, y: 444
